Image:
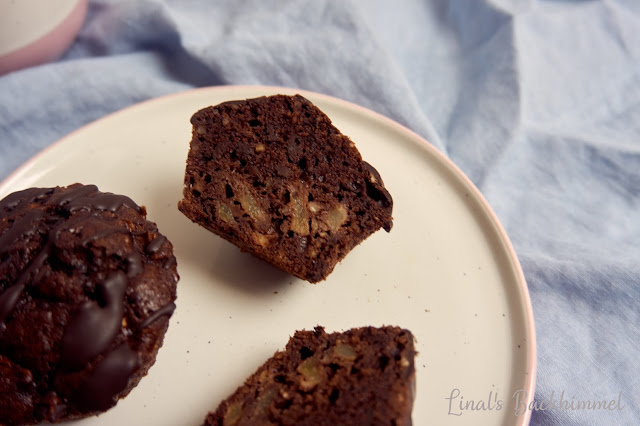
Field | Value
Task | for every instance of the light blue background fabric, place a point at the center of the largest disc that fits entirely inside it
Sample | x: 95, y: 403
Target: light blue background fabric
x: 537, y: 101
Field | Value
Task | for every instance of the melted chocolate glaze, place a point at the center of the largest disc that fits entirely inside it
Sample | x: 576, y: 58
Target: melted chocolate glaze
x: 92, y: 328
x: 134, y: 264
x: 18, y: 198
x: 11, y: 296
x: 170, y: 262
x: 109, y: 378
x: 155, y: 245
x: 103, y: 201
x: 166, y: 310
x: 50, y: 407
x: 76, y: 198
x: 21, y: 228
x: 8, y: 300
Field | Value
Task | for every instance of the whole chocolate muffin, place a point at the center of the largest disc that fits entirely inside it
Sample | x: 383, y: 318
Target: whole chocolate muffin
x: 87, y: 287
x: 363, y: 376
x: 275, y: 177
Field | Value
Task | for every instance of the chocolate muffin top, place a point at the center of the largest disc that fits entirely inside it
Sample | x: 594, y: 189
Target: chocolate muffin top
x: 87, y: 286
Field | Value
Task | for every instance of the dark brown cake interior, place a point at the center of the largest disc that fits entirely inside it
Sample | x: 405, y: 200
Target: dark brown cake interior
x: 275, y: 177
x: 364, y: 376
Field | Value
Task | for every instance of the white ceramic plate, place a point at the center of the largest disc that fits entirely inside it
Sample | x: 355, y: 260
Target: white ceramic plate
x: 446, y: 271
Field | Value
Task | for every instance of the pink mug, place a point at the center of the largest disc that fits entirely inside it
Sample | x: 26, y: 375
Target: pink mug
x: 34, y: 32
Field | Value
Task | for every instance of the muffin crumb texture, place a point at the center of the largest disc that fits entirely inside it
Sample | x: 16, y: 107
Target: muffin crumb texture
x: 273, y: 176
x: 363, y: 376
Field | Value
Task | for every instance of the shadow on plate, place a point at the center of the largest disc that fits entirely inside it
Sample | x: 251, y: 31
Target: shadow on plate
x: 245, y: 271
x: 199, y: 249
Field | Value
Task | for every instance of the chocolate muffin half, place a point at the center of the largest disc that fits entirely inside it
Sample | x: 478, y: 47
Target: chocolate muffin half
x: 273, y: 176
x: 87, y: 286
x: 364, y: 376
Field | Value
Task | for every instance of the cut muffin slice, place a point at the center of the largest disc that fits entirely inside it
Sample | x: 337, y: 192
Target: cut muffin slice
x: 273, y: 176
x: 364, y: 376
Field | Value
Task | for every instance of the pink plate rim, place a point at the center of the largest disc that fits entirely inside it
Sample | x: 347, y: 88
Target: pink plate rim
x: 50, y: 46
x: 530, y: 381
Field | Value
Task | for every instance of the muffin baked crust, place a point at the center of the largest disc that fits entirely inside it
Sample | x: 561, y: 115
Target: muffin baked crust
x: 87, y: 286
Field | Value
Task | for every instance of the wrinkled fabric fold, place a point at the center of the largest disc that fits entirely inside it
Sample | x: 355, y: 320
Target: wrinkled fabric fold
x: 537, y: 101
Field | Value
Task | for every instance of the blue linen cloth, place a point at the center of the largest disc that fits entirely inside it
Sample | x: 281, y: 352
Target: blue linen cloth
x: 537, y: 101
